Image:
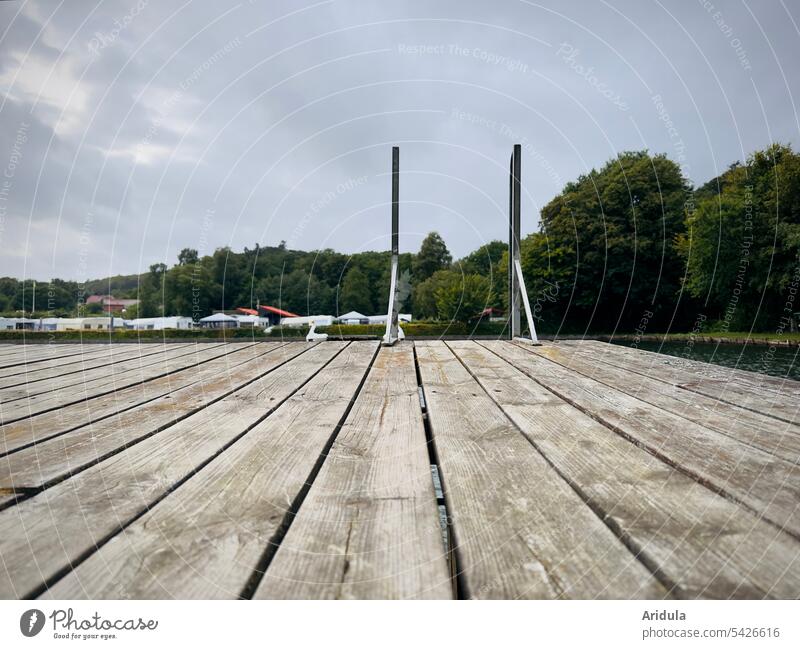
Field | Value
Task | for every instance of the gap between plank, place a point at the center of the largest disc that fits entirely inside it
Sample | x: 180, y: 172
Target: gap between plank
x: 113, y: 390
x: 454, y: 559
x: 131, y: 407
x: 720, y: 491
x: 28, y: 492
x: 254, y: 581
x: 672, y: 588
x: 60, y: 574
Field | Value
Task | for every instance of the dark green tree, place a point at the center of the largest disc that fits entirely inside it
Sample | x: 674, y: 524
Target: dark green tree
x: 463, y: 297
x: 609, y: 242
x: 355, y: 294
x: 488, y: 261
x: 187, y: 256
x: 433, y: 255
x: 742, y: 244
x: 424, y: 293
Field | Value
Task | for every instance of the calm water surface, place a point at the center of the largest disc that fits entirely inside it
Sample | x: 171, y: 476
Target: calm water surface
x: 777, y: 361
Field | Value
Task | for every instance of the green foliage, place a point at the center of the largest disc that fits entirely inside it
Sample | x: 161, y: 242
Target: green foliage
x: 490, y: 261
x: 425, y: 292
x: 95, y: 308
x: 463, y: 298
x: 433, y: 255
x: 355, y: 293
x: 742, y: 246
x: 607, y: 246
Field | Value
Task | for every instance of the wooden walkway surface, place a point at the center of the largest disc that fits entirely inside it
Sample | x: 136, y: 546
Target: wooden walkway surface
x: 458, y: 469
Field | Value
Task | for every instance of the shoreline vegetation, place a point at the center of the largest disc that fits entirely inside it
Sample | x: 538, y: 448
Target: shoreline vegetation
x: 413, y: 330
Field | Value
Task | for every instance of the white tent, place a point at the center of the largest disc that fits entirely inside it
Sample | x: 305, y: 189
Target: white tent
x: 219, y: 321
x: 352, y: 317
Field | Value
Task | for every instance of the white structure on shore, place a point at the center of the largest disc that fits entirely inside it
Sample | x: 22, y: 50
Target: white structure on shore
x: 307, y: 321
x: 381, y: 319
x: 98, y: 323
x: 355, y: 318
x: 18, y: 324
x: 164, y: 322
x: 252, y: 321
x: 219, y: 321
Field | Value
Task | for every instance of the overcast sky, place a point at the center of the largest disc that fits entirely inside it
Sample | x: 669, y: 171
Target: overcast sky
x: 130, y: 129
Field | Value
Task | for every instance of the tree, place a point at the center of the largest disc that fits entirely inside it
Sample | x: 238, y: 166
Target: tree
x: 188, y: 256
x: 151, y: 292
x: 95, y: 308
x: 488, y: 261
x: 609, y: 241
x: 742, y: 244
x: 355, y: 293
x: 463, y: 298
x: 433, y: 255
x: 424, y: 293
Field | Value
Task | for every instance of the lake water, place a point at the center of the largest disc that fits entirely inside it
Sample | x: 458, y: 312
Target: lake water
x: 777, y: 361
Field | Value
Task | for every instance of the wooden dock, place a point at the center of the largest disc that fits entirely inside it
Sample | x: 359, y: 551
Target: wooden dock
x: 431, y: 469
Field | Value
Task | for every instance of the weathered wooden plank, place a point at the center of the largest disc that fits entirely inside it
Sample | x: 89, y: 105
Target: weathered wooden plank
x: 19, y: 365
x: 39, y: 354
x: 53, y: 423
x: 29, y: 375
x: 768, y: 485
x: 38, y: 403
x: 776, y: 437
x: 713, y: 381
x: 369, y: 527
x: 99, y: 375
x: 520, y: 530
x: 46, y: 535
x: 205, y: 539
x: 698, y: 368
x: 32, y: 354
x: 699, y: 543
x: 57, y: 458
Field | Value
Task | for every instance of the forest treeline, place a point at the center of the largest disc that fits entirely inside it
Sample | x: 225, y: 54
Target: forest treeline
x: 629, y: 247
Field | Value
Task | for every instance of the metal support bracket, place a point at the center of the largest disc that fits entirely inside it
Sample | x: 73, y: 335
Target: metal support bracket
x: 516, y: 282
x: 393, y: 331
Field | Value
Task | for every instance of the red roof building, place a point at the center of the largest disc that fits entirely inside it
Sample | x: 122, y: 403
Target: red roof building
x: 273, y: 313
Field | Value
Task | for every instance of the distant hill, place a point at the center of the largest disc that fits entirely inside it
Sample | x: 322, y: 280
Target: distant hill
x: 119, y: 285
